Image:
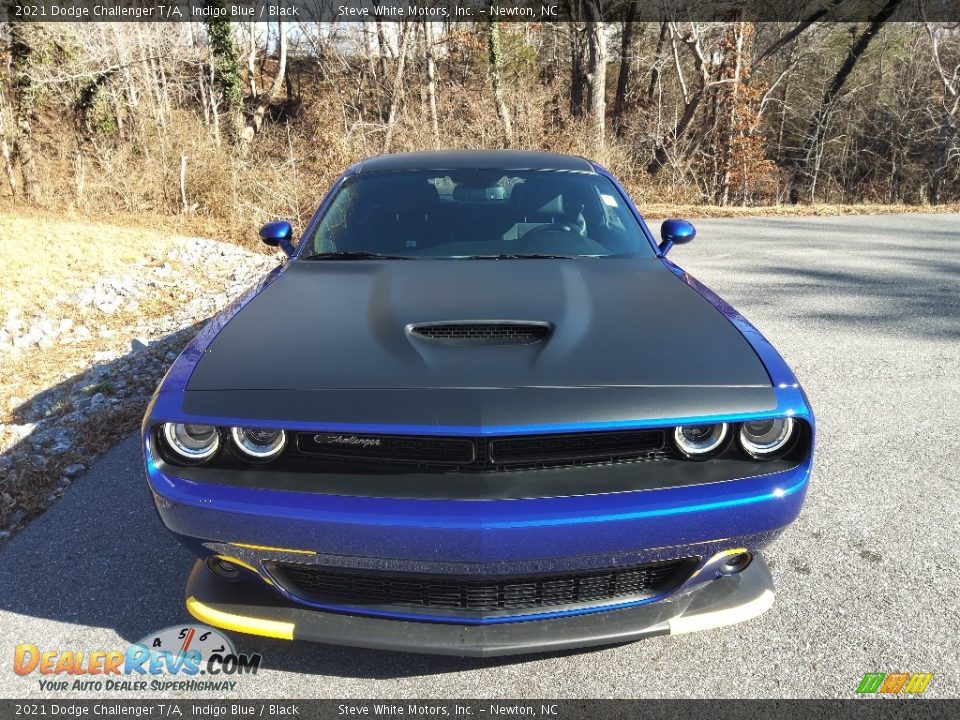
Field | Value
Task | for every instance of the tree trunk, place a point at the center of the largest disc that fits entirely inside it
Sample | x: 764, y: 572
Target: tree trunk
x: 728, y: 125
x: 816, y: 130
x: 183, y: 184
x: 214, y: 103
x: 798, y: 29
x: 397, y: 89
x: 382, y: 44
x: 265, y: 99
x: 252, y: 59
x: 623, y: 77
x: 226, y: 72
x: 597, y: 75
x: 5, y: 147
x: 948, y: 126
x: 661, y: 154
x: 24, y: 111
x: 578, y: 78
x: 431, y: 82
x: 944, y: 146
x: 493, y: 46
x: 655, y: 68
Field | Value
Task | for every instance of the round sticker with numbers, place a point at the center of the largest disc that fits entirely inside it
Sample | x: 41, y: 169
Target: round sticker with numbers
x: 178, y: 639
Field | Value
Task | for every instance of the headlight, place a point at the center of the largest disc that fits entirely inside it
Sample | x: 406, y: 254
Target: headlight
x: 764, y: 438
x: 699, y: 440
x: 194, y: 443
x: 259, y: 443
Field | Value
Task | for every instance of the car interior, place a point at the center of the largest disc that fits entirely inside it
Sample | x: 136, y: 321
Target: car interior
x: 470, y: 213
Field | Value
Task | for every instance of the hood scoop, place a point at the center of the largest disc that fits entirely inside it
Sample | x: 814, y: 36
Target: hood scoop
x: 481, y: 332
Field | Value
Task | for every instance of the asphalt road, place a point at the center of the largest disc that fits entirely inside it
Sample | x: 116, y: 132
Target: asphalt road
x: 867, y: 312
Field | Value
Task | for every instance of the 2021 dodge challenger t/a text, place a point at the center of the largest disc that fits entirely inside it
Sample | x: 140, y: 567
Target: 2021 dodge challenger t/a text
x: 478, y: 412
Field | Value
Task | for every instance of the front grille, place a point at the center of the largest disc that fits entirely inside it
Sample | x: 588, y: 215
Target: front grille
x: 486, y: 595
x: 580, y: 446
x: 483, y: 333
x: 389, y: 448
x: 479, y: 454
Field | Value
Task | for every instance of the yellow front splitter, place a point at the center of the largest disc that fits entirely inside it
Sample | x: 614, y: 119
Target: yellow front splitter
x: 239, y: 623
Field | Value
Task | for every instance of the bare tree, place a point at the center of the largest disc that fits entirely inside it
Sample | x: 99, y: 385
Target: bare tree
x: 950, y: 79
x: 225, y: 74
x: 263, y: 101
x: 397, y: 91
x: 252, y: 59
x: 725, y: 112
x: 801, y: 27
x: 692, y: 96
x: 817, y: 127
x: 24, y: 105
x: 578, y: 73
x: 623, y: 76
x: 658, y: 59
x: 597, y: 75
x: 494, y: 53
x: 5, y: 146
x: 382, y: 44
x: 732, y: 69
x: 431, y: 80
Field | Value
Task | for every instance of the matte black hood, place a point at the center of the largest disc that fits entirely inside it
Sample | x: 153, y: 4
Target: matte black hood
x: 344, y: 324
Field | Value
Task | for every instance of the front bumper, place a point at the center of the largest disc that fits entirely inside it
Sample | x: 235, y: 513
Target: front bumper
x: 524, y: 536
x: 254, y: 608
x: 255, y: 528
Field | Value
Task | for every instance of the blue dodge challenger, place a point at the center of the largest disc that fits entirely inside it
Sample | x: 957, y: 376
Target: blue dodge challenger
x: 478, y: 412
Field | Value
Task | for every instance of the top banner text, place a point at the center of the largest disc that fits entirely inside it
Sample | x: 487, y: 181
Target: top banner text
x: 355, y: 11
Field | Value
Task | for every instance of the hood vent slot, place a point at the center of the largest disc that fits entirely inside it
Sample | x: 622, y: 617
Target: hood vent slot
x: 482, y: 333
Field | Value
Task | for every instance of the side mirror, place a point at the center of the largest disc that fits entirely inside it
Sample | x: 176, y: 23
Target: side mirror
x: 278, y: 233
x: 675, y: 232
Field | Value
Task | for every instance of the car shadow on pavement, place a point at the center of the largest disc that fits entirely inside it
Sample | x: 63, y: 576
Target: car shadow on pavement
x: 97, y: 555
x: 100, y: 559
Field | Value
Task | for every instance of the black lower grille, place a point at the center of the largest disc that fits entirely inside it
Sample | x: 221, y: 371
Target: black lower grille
x: 479, y: 454
x: 482, y: 595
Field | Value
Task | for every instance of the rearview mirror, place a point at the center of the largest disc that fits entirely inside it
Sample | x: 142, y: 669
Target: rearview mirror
x: 278, y: 233
x: 675, y: 232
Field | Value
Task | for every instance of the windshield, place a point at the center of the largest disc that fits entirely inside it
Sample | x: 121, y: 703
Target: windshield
x: 476, y: 214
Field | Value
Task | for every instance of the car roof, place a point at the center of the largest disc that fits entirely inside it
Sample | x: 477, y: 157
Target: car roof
x: 475, y: 160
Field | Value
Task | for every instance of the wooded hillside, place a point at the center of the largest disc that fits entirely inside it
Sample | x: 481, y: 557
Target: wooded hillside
x: 238, y: 123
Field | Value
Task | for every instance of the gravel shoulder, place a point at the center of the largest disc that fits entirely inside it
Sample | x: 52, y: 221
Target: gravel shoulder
x: 867, y: 312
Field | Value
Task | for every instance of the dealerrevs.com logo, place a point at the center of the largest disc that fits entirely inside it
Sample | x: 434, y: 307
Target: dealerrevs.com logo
x: 173, y: 659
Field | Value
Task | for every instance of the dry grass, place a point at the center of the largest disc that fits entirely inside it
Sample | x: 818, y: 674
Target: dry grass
x: 41, y: 256
x: 70, y: 255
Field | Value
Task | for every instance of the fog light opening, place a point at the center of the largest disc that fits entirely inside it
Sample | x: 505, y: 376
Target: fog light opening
x: 223, y: 569
x: 736, y: 563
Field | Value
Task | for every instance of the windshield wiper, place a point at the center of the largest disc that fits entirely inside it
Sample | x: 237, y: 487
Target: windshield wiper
x: 354, y: 255
x: 518, y: 256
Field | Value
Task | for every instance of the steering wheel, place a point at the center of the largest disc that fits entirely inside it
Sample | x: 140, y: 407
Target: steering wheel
x: 550, y: 227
